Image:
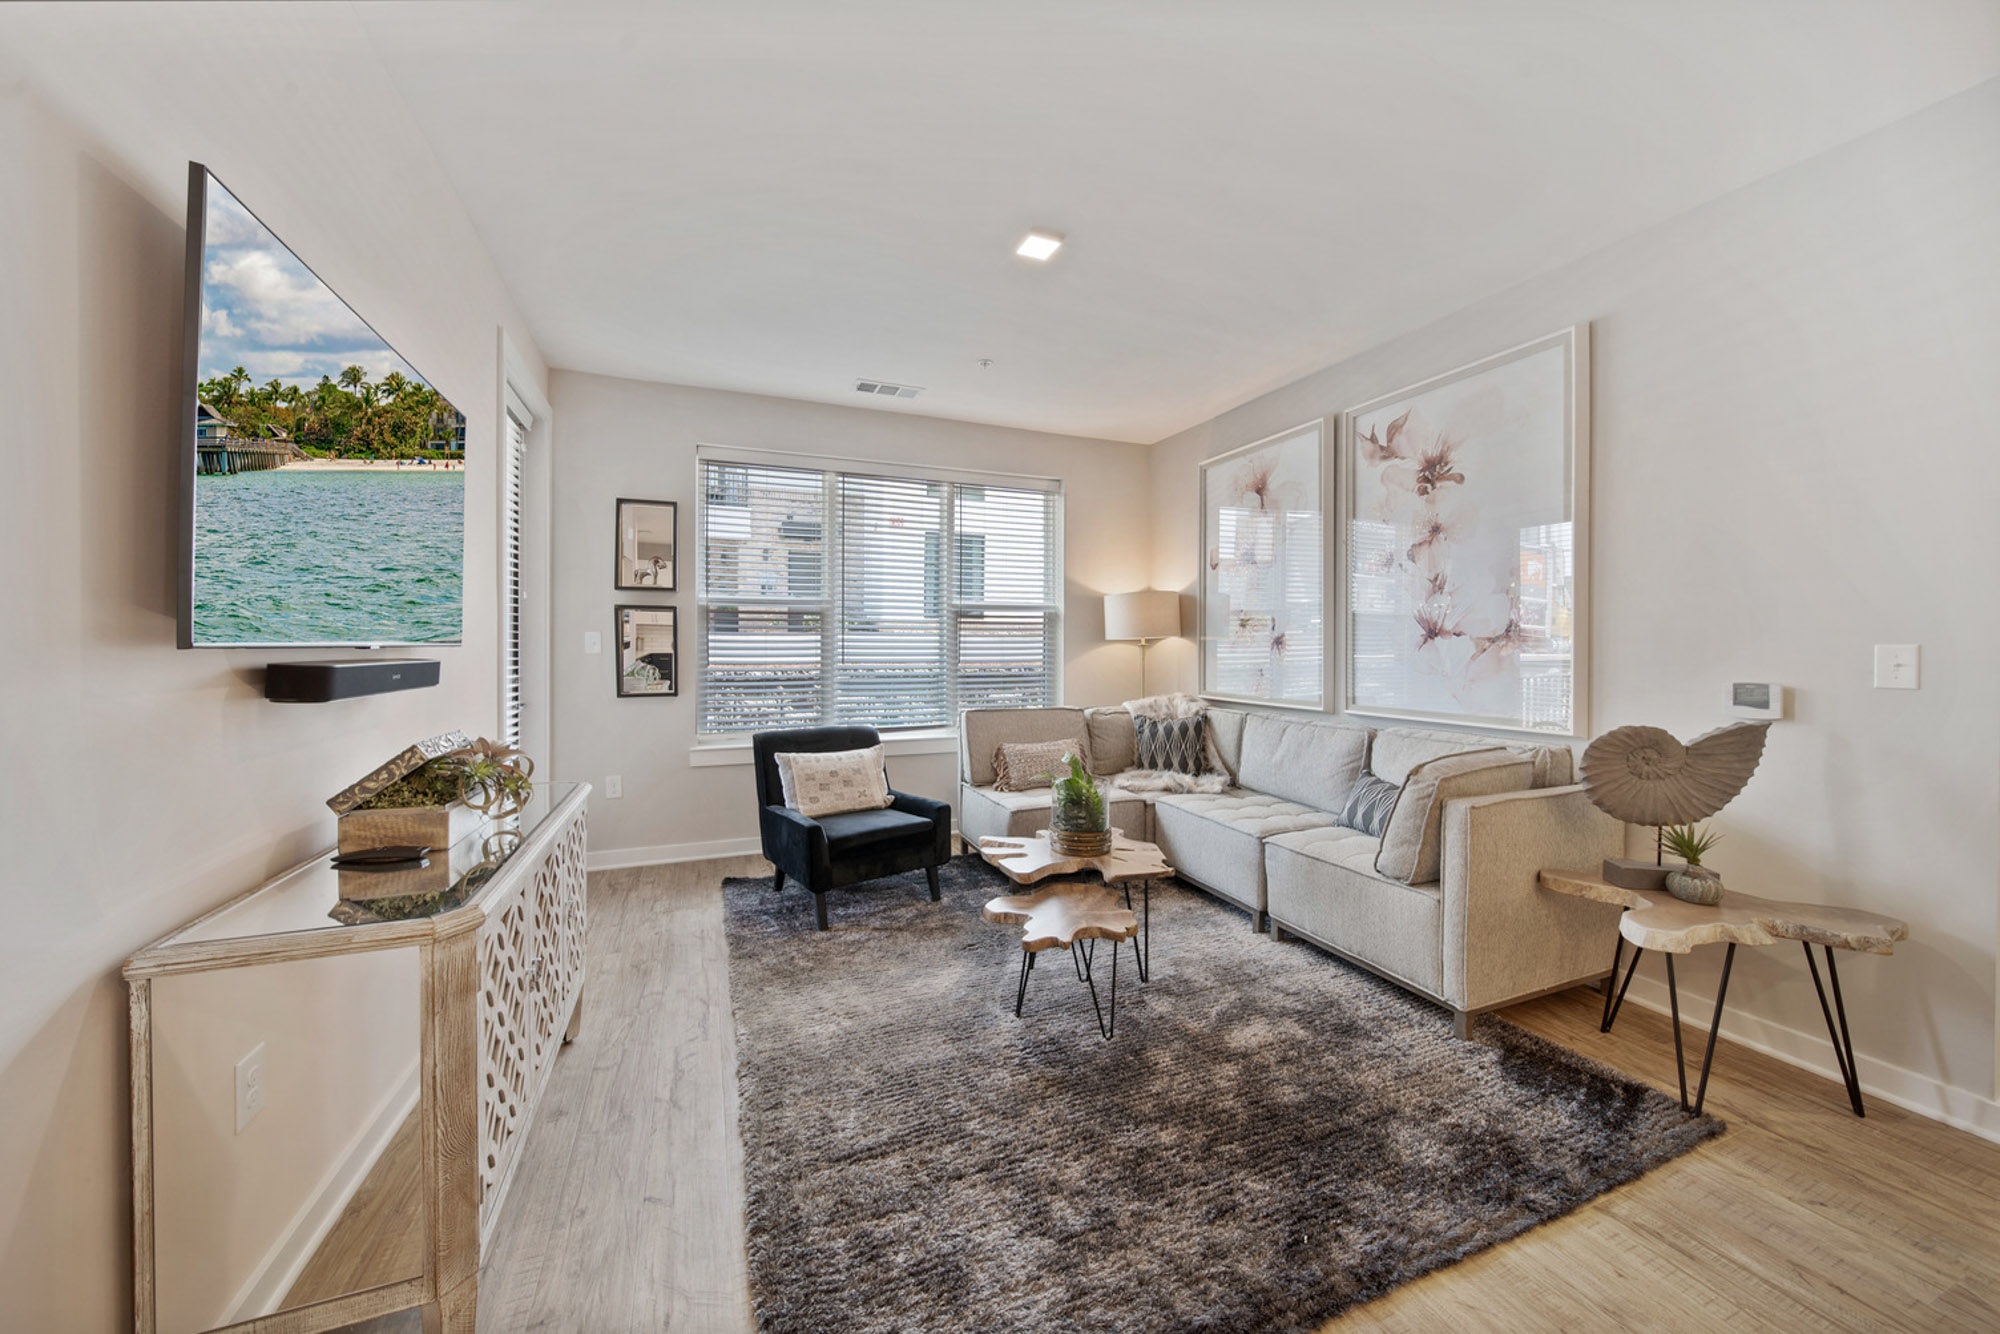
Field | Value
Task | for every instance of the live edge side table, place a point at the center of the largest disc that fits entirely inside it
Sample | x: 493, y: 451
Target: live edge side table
x: 1656, y: 920
x: 1074, y: 916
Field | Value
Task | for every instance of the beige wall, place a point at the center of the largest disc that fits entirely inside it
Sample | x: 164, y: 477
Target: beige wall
x: 630, y: 438
x: 1797, y: 456
x: 144, y: 785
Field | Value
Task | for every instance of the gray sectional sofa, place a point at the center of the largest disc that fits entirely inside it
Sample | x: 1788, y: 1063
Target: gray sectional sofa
x: 1445, y: 902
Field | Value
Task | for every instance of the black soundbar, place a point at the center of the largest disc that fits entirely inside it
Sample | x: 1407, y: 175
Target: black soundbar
x: 318, y: 682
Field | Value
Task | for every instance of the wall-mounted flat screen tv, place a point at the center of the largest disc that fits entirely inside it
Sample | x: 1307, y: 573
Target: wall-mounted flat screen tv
x: 323, y: 483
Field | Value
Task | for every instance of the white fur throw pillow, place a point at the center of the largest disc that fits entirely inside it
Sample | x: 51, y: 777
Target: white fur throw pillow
x: 833, y: 782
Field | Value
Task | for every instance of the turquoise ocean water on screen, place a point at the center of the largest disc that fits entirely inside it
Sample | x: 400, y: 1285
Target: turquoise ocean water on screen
x: 303, y: 557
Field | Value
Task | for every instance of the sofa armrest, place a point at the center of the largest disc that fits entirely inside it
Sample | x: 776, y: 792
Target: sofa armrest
x: 937, y: 812
x: 1504, y: 935
x: 796, y: 845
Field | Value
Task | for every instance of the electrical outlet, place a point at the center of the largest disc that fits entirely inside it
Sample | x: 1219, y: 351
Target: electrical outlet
x: 614, y: 786
x: 249, y: 1087
x: 593, y: 641
x: 1898, y: 666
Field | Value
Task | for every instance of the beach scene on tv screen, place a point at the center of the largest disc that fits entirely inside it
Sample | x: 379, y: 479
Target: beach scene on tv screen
x: 329, y: 476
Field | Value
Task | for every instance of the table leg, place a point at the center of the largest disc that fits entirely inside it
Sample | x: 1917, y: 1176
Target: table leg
x: 1674, y: 1007
x: 1021, y: 991
x: 1611, y: 1016
x: 1714, y: 1026
x: 1611, y: 982
x: 1843, y: 1043
x: 1142, y: 949
x: 1106, y: 1030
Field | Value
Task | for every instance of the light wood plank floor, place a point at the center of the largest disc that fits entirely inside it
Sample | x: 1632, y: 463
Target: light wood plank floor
x: 379, y: 1237
x: 628, y: 1211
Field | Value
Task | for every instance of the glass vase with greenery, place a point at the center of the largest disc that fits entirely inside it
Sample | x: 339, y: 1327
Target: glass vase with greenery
x: 1079, y: 816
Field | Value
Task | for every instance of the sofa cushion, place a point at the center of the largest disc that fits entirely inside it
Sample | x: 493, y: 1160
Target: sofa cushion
x: 982, y: 730
x: 1173, y: 745
x: 1216, y: 839
x: 827, y: 782
x: 985, y: 812
x: 1410, y: 849
x: 1225, y: 736
x: 1368, y: 805
x: 1022, y: 766
x: 1397, y: 750
x: 1114, y: 743
x: 861, y: 829
x: 1314, y: 764
x: 1323, y: 884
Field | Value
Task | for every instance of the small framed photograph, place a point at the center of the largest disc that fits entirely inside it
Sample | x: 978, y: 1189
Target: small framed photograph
x: 647, y: 541
x: 648, y: 651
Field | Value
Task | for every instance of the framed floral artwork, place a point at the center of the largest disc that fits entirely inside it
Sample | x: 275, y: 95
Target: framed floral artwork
x: 1261, y: 597
x: 1466, y: 543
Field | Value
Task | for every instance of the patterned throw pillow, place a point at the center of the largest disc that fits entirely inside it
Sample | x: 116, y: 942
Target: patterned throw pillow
x: 832, y: 782
x: 1368, y: 805
x: 1021, y: 765
x: 1175, y: 745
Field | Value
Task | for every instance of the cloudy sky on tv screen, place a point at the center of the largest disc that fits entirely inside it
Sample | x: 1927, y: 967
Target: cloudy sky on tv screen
x: 330, y: 483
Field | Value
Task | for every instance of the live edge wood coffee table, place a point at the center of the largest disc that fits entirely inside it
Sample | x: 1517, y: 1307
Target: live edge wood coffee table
x: 1072, y: 915
x: 1656, y: 920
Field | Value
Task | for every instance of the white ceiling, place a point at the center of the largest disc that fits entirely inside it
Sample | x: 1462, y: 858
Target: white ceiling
x: 783, y: 196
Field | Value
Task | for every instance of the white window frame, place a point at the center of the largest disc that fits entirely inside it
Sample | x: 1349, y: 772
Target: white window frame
x: 733, y: 747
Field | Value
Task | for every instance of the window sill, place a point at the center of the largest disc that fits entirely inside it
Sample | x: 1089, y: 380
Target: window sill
x: 935, y: 741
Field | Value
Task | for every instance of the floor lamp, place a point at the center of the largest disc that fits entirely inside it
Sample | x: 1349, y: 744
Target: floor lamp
x: 1145, y: 615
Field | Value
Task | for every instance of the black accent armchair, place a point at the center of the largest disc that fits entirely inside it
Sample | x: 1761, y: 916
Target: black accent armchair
x: 834, y: 851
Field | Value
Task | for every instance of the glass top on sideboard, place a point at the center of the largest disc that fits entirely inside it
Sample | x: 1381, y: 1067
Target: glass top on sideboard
x: 320, y: 896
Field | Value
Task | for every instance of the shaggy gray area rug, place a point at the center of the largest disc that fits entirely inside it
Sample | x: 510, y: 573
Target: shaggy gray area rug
x: 1272, y: 1136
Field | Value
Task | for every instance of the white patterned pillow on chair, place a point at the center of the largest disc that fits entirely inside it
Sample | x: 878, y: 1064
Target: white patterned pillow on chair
x: 1173, y: 745
x: 833, y: 782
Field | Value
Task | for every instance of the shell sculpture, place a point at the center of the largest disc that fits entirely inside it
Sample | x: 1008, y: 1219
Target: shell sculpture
x: 1642, y: 775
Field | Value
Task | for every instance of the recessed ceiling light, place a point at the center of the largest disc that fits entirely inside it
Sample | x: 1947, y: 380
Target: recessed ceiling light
x: 1039, y: 245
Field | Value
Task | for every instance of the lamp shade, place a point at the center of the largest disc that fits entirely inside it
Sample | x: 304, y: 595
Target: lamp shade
x: 1150, y: 613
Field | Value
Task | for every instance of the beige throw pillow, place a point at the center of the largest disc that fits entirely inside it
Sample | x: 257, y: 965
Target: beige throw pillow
x: 833, y: 782
x: 1411, y: 845
x: 1019, y: 766
x: 1114, y: 742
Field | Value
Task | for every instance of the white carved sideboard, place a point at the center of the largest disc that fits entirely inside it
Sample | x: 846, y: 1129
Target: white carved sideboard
x: 490, y: 969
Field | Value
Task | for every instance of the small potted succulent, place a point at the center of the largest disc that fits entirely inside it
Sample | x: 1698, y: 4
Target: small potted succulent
x: 1079, y: 816
x: 1693, y: 883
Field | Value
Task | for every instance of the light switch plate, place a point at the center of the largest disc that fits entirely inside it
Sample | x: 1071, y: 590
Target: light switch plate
x: 1898, y: 666
x: 593, y: 641
x: 249, y: 1087
x: 614, y: 785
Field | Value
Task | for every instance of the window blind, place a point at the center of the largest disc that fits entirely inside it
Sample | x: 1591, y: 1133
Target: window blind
x: 886, y: 599
x: 515, y: 455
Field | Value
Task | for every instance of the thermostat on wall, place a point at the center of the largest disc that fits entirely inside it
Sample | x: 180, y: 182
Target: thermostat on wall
x: 1758, y: 699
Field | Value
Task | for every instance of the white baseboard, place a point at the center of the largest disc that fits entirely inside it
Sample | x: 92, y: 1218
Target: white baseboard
x: 296, y: 1245
x: 1907, y: 1089
x: 617, y: 859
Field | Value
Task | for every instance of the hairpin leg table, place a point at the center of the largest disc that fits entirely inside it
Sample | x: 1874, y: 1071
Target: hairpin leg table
x: 1656, y: 920
x: 1031, y: 860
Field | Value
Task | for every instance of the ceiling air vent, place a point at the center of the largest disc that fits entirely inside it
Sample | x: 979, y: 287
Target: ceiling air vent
x: 886, y: 389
